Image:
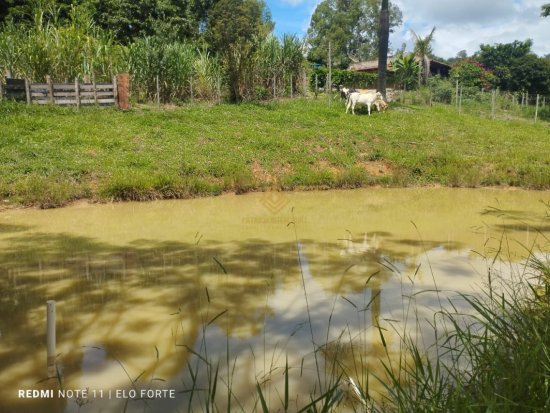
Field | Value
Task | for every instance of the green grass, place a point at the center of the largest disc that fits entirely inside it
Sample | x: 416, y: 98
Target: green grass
x: 496, y: 358
x: 52, y: 155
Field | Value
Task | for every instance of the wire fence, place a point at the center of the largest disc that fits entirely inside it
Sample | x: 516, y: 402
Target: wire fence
x: 495, y: 104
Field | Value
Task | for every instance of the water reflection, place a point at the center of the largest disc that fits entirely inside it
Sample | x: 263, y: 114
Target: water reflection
x: 157, y: 295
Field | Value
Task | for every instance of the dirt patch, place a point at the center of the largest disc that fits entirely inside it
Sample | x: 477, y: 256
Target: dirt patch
x: 323, y: 165
x: 376, y: 168
x: 318, y: 149
x: 282, y: 170
x: 260, y: 174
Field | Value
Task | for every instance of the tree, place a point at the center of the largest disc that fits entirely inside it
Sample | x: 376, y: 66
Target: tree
x: 515, y: 66
x: 383, y: 40
x: 472, y: 74
x: 235, y: 29
x: 127, y: 20
x: 352, y: 28
x: 169, y: 19
x: 530, y: 73
x: 406, y: 70
x: 423, y: 51
x: 545, y: 10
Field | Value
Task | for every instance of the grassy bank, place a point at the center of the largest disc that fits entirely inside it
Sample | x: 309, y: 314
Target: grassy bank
x: 54, y: 155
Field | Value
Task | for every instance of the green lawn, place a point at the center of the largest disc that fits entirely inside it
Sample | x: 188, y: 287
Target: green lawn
x: 52, y: 155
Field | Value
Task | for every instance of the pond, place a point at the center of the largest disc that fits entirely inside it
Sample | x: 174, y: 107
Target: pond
x: 157, y: 302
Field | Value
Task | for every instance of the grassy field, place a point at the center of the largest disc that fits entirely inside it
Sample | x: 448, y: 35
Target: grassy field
x: 51, y: 155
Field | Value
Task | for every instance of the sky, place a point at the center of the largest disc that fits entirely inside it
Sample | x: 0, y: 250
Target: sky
x: 460, y: 24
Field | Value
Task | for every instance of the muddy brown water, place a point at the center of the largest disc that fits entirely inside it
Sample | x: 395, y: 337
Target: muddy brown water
x: 150, y: 294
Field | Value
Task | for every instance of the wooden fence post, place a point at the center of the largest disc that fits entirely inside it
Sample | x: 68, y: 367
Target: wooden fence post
x: 115, y: 89
x: 537, y: 108
x: 1, y: 92
x: 191, y: 88
x: 158, y: 91
x: 219, y: 86
x: 304, y: 80
x: 50, y: 89
x: 493, y: 104
x: 28, y: 91
x: 50, y: 337
x: 316, y: 83
x: 123, y: 88
x: 456, y: 94
x: 460, y: 101
x: 95, y: 89
x: 328, y: 84
x: 77, y: 92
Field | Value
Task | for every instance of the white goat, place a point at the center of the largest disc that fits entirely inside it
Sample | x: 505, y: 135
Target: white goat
x: 363, y: 98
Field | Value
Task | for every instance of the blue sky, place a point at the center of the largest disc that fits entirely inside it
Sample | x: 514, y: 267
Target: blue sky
x: 460, y: 25
x: 291, y: 16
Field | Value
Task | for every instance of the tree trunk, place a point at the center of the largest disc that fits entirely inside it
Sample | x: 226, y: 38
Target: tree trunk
x: 383, y: 39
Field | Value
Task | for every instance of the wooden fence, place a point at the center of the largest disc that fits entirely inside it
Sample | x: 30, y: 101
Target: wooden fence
x: 71, y: 94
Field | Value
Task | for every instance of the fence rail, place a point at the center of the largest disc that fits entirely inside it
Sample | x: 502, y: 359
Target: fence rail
x: 69, y: 94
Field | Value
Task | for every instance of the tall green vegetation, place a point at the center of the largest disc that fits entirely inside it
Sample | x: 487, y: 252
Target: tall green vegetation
x: 126, y: 20
x: 235, y: 29
x: 278, y: 67
x: 182, y: 70
x: 406, y: 70
x: 351, y: 26
x: 64, y: 50
x: 234, y: 56
x: 495, y: 359
x: 472, y: 74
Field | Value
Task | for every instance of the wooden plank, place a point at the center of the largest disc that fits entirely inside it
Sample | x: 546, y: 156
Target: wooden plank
x: 62, y: 86
x: 39, y: 86
x: 90, y: 87
x: 83, y: 101
x: 73, y: 93
x: 92, y: 101
x: 108, y: 94
x: 114, y: 88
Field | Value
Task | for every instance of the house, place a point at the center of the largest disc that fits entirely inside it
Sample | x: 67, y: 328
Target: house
x: 436, y: 67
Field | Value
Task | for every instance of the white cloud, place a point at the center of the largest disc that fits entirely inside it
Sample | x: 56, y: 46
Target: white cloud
x: 455, y: 12
x: 465, y: 24
x: 293, y: 3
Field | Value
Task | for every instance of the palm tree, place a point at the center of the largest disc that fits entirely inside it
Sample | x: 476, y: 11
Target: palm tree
x: 383, y: 39
x: 423, y: 50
